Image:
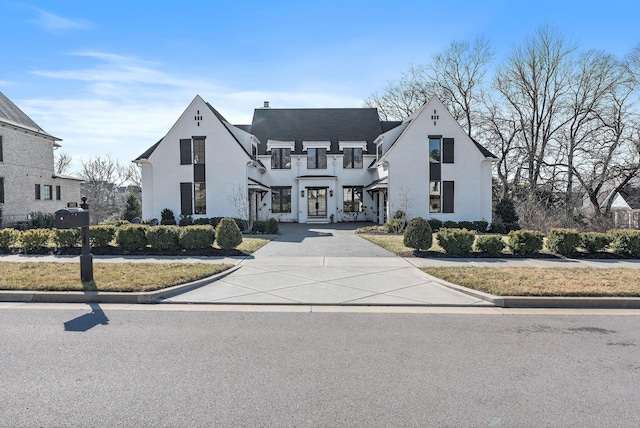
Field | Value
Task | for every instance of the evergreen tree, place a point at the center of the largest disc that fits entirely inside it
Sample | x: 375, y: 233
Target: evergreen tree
x: 132, y: 208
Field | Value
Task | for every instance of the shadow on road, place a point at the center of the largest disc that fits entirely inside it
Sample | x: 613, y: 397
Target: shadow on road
x: 87, y: 321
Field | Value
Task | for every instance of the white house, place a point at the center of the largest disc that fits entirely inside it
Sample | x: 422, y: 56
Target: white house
x: 317, y: 166
x: 625, y: 207
x: 27, y: 179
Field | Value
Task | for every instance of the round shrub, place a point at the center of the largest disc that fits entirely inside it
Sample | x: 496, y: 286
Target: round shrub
x: 594, y: 242
x: 259, y: 226
x: 456, y: 241
x: 132, y: 237
x: 8, y: 238
x: 272, y: 226
x: 66, y: 238
x: 418, y: 234
x: 490, y: 244
x: 35, y: 239
x: 164, y: 238
x: 521, y: 242
x: 625, y: 241
x: 197, y: 237
x: 563, y: 241
x: 228, y: 234
x: 101, y: 236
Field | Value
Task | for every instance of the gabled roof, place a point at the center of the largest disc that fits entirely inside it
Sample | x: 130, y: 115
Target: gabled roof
x: 10, y: 113
x: 309, y: 124
x: 631, y: 196
x: 148, y: 152
x: 483, y: 150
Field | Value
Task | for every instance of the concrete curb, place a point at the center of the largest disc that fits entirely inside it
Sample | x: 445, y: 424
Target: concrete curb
x: 107, y: 297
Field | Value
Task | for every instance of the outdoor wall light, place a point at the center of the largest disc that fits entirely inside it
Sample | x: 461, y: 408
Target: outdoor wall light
x: 302, y: 193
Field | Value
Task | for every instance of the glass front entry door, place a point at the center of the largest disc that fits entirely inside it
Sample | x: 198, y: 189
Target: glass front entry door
x: 317, y: 202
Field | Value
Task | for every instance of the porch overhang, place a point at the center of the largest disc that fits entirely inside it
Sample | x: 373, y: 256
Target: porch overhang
x: 257, y: 187
x: 380, y: 185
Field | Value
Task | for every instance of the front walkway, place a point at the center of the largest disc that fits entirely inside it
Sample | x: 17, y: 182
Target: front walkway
x: 326, y: 265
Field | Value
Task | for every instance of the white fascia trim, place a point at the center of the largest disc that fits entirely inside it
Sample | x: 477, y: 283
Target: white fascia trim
x: 315, y: 145
x: 280, y: 144
x: 353, y: 144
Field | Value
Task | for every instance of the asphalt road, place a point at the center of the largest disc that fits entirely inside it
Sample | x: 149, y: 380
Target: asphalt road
x: 168, y: 368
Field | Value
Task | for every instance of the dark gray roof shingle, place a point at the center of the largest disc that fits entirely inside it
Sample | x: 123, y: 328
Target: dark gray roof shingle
x: 631, y: 196
x: 329, y: 124
x: 10, y: 113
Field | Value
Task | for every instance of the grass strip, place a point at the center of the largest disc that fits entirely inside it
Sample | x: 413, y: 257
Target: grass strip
x: 123, y: 277
x: 550, y: 282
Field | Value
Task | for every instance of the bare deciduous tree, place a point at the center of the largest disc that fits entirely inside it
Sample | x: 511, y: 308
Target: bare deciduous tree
x: 62, y: 163
x: 102, y: 176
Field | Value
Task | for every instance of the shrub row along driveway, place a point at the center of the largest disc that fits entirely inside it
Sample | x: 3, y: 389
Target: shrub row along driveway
x: 325, y: 264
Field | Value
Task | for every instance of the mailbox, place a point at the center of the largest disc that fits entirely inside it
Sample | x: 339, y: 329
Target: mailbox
x: 71, y: 218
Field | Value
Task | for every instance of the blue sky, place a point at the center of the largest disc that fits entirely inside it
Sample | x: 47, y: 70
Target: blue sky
x: 112, y: 76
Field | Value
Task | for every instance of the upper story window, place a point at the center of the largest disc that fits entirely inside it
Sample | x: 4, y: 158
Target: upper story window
x: 352, y: 158
x: 434, y: 150
x: 48, y: 192
x: 316, y: 158
x: 198, y: 151
x: 192, y: 151
x: 280, y: 158
x: 379, y: 150
x: 441, y: 150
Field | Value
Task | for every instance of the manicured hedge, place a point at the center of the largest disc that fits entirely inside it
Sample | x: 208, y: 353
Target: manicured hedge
x: 625, y: 242
x: 164, y: 238
x: 563, y: 241
x: 132, y: 237
x: 594, y: 242
x: 8, y: 238
x: 522, y: 242
x: 101, y: 236
x: 490, y: 244
x: 456, y: 241
x: 66, y: 238
x: 197, y: 237
x: 34, y: 239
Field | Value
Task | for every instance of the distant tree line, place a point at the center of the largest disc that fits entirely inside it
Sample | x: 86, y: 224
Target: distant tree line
x: 563, y: 122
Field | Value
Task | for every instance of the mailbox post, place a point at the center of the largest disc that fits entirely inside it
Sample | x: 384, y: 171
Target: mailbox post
x: 72, y: 218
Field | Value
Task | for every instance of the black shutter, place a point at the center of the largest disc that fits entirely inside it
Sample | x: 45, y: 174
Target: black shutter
x: 37, y: 188
x: 447, y: 196
x: 185, y: 152
x: 447, y: 150
x: 434, y: 172
x: 198, y: 173
x: 186, y: 205
x: 58, y: 193
x: 1, y: 155
x: 1, y: 190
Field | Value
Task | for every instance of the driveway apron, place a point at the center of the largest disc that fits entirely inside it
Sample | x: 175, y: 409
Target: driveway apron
x: 325, y: 265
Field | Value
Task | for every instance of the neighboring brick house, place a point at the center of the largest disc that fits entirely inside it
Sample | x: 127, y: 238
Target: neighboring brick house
x: 318, y: 166
x: 27, y: 179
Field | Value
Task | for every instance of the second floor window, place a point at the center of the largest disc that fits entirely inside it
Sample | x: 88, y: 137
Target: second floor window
x: 352, y: 158
x: 317, y: 158
x: 280, y: 158
x: 48, y: 192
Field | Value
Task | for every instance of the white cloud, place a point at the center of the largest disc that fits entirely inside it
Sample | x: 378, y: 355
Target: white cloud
x: 55, y: 23
x: 123, y: 105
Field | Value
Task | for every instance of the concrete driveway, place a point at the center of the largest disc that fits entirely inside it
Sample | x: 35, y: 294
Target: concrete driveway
x: 326, y: 265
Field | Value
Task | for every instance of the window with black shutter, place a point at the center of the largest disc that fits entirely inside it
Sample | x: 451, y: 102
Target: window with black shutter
x: 447, y: 150
x: 448, y: 196
x: 37, y: 189
x: 186, y: 199
x: 185, y: 152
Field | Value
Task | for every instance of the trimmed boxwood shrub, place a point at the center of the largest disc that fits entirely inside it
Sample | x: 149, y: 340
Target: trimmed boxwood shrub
x: 132, y: 237
x: 594, y: 242
x: 228, y: 234
x: 41, y: 220
x: 197, y: 237
x: 481, y: 225
x: 456, y: 241
x: 435, y: 224
x: 625, y: 241
x: 272, y: 226
x: 101, y: 236
x: 498, y: 228
x: 563, y: 241
x: 8, y: 238
x: 450, y: 224
x: 464, y: 224
x: 490, y: 244
x: 202, y: 221
x: 418, y: 234
x: 164, y: 238
x: 34, y: 239
x: 66, y: 238
x: 185, y: 220
x: 521, y: 242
